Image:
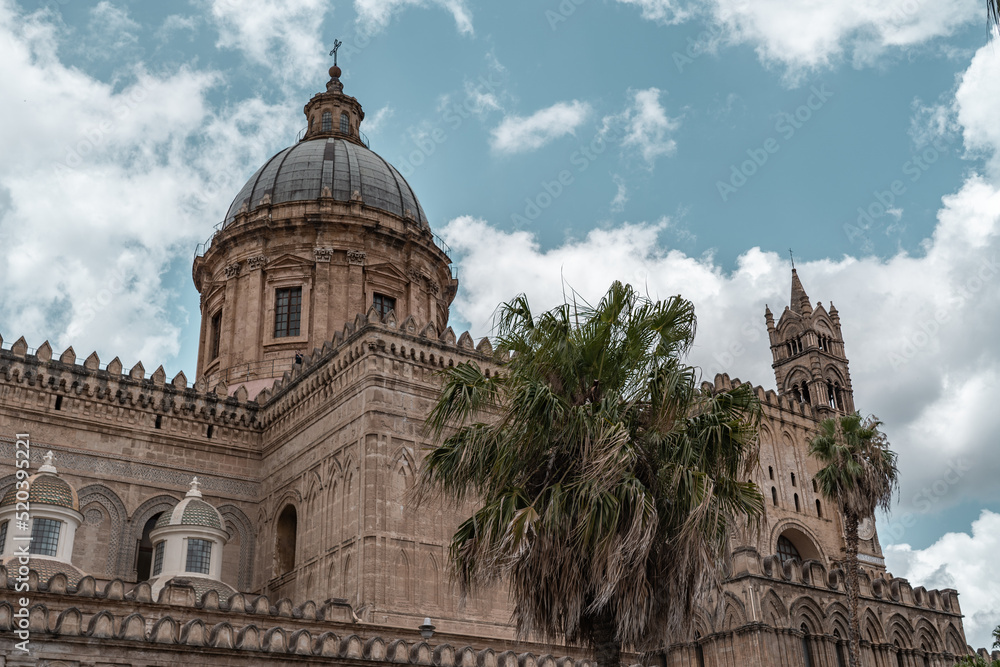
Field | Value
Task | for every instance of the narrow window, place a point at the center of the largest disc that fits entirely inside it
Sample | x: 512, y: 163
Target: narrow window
x: 819, y: 509
x: 144, y: 553
x: 216, y: 333
x: 287, y: 311
x: 770, y: 471
x: 383, y: 304
x: 774, y: 496
x: 832, y: 397
x: 899, y: 655
x: 344, y: 124
x: 787, y: 550
x: 327, y: 121
x: 699, y: 652
x: 796, y: 502
x: 805, y: 393
x: 815, y: 488
x: 158, y: 558
x: 159, y: 421
x: 285, y: 537
x: 59, y: 402
x: 806, y: 648
x: 45, y: 537
x: 211, y: 430
x: 793, y: 479
x: 199, y: 556
x: 796, y: 394
x: 3, y: 535
x: 841, y: 660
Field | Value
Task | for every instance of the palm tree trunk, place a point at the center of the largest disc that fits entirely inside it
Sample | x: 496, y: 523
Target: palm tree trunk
x: 607, y: 648
x: 851, y: 567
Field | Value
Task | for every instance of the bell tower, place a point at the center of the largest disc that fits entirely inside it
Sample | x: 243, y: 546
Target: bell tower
x: 807, y: 346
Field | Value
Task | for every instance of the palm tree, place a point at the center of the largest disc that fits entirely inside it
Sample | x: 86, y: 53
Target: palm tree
x: 607, y: 481
x: 859, y: 475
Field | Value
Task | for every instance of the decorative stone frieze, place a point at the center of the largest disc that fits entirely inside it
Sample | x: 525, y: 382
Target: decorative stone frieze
x: 323, y: 255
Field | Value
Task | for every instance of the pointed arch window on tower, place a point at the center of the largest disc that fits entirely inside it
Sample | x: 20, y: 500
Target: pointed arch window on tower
x: 805, y: 393
x: 285, y: 539
x: 831, y: 395
x: 793, y: 479
x: 806, y: 647
x: 345, y: 124
x: 796, y: 502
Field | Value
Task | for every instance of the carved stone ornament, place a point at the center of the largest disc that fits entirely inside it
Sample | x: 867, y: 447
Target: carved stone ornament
x: 323, y: 255
x: 415, y: 276
x: 432, y: 287
x: 233, y: 269
x: 257, y: 262
x: 356, y: 257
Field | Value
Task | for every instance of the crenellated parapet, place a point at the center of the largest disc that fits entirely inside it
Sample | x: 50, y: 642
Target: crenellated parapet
x: 420, y: 347
x: 234, y: 630
x: 36, y: 381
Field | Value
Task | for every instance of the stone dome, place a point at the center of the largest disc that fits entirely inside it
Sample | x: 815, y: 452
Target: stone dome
x: 46, y: 488
x: 192, y: 511
x: 343, y: 168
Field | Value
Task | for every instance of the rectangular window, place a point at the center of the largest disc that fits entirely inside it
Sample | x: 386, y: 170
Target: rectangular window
x: 45, y: 537
x: 216, y: 334
x: 3, y: 535
x: 327, y: 121
x: 344, y: 124
x: 158, y: 558
x: 199, y: 556
x: 287, y: 311
x: 383, y: 304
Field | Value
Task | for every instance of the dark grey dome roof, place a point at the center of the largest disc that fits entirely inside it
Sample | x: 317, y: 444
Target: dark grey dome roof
x: 300, y: 172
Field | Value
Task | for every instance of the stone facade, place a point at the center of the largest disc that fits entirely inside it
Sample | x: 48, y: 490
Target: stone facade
x: 310, y: 461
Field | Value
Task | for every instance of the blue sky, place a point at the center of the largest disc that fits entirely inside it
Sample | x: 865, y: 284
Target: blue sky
x: 696, y: 143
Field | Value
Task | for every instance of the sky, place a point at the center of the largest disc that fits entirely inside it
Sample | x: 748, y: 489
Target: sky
x: 684, y: 146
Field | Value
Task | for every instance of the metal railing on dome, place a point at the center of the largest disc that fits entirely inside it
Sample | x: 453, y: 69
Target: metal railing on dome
x: 202, y: 248
x: 361, y: 135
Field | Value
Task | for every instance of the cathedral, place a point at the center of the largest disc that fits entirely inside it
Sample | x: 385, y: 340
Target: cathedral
x: 260, y: 514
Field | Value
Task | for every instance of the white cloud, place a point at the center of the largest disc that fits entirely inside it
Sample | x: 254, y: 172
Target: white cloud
x: 663, y: 11
x: 976, y: 104
x: 109, y: 186
x: 801, y: 35
x: 920, y: 330
x: 375, y: 15
x: 517, y: 134
x: 374, y: 122
x: 113, y: 27
x: 965, y: 562
x: 621, y: 196
x: 647, y: 128
x: 282, y: 35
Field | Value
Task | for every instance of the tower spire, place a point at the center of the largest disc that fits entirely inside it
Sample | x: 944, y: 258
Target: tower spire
x: 799, y: 302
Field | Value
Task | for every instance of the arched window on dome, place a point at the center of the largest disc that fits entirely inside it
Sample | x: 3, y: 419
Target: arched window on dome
x: 285, y: 538
x: 345, y: 124
x: 199, y: 556
x: 45, y: 536
x: 327, y: 121
x: 144, y: 554
x: 158, y: 557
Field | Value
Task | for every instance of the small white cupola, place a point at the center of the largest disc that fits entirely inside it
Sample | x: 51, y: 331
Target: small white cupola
x: 42, y: 513
x: 187, y: 544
